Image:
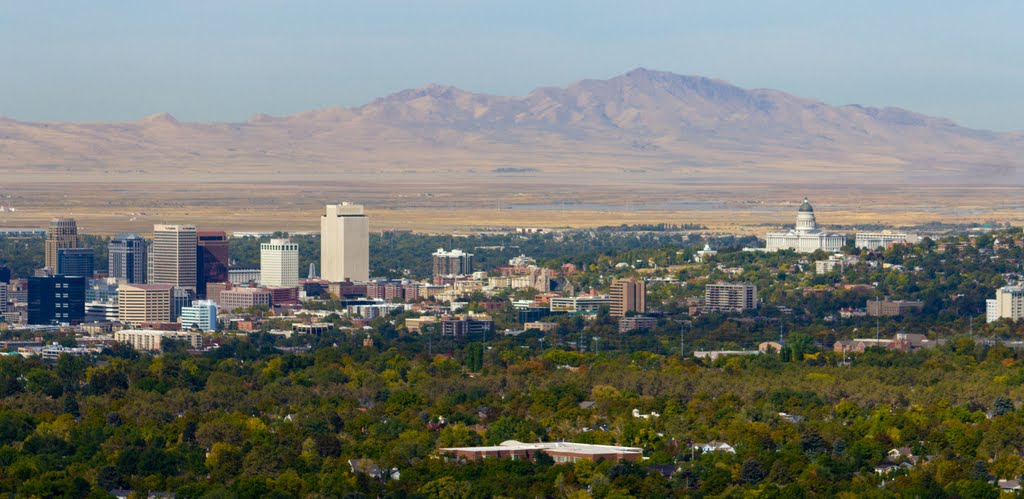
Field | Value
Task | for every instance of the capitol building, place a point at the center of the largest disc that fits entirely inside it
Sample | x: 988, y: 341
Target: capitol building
x: 806, y: 237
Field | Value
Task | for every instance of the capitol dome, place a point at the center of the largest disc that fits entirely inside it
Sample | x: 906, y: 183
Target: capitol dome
x: 806, y: 207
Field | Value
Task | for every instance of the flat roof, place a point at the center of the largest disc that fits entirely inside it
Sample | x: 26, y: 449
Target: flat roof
x: 513, y: 445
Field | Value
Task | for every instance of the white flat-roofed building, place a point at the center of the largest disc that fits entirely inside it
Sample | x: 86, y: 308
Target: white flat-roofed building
x: 148, y: 340
x: 560, y: 452
x: 805, y: 237
x: 579, y: 304
x: 879, y: 240
x: 279, y: 263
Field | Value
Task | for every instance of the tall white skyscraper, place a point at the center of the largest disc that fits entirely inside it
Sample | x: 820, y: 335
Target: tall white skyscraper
x: 279, y: 263
x: 344, y: 243
x: 173, y: 256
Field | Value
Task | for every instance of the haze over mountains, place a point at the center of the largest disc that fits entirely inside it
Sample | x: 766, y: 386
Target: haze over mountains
x: 656, y: 125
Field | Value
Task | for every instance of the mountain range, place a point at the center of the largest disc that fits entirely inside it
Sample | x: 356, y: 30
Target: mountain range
x: 659, y: 124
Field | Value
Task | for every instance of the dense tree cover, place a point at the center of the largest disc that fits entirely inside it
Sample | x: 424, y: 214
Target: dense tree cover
x: 248, y: 420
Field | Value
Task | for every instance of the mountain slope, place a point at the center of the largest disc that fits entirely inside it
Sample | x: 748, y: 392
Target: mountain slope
x: 655, y: 121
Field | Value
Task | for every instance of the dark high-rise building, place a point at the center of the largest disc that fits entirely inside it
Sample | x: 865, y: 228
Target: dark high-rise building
x: 78, y: 262
x: 56, y: 299
x: 62, y: 233
x: 126, y: 258
x: 212, y: 255
x: 454, y: 262
x: 5, y: 273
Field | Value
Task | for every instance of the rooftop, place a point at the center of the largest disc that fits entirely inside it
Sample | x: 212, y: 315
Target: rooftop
x: 575, y: 448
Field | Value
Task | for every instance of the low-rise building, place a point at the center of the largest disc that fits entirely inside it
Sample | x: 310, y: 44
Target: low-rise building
x: 544, y: 327
x: 893, y: 308
x: 879, y: 240
x: 561, y: 452
x: 716, y: 354
x: 149, y: 340
x: 580, y: 304
x: 633, y: 323
x: 714, y: 447
x: 415, y: 324
x: 463, y: 327
x: 316, y: 328
x: 245, y: 298
x: 859, y: 345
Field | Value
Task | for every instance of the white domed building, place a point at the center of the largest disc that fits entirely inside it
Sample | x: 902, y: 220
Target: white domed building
x: 805, y: 238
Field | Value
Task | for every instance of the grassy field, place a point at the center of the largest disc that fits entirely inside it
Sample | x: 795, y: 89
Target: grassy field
x: 470, y: 206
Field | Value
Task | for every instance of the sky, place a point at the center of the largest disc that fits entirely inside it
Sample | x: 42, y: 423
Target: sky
x: 225, y: 60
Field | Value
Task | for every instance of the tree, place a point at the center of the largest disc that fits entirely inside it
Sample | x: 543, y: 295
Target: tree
x: 446, y: 488
x: 1002, y: 406
x: 751, y: 472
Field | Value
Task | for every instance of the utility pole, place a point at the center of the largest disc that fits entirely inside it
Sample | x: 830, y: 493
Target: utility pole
x: 878, y: 321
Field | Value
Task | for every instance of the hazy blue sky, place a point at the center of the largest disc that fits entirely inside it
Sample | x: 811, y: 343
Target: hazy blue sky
x: 228, y: 59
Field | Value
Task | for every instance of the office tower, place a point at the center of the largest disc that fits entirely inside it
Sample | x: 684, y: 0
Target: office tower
x: 454, y: 262
x: 279, y: 263
x: 628, y: 295
x: 62, y: 233
x: 126, y: 258
x: 344, y: 243
x: 213, y: 254
x: 724, y: 297
x: 5, y: 274
x: 181, y: 298
x: 101, y: 300
x: 56, y: 300
x: 173, y: 256
x: 77, y: 262
x: 138, y: 303
x: 201, y: 315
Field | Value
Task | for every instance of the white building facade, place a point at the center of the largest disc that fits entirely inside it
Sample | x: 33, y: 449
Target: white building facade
x: 202, y: 314
x: 149, y: 340
x: 1008, y: 304
x: 279, y: 264
x: 879, y: 240
x: 344, y: 243
x: 805, y: 237
x: 172, y: 258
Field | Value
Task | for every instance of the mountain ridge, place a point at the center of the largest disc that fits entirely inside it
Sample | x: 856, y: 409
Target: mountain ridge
x: 654, y: 120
